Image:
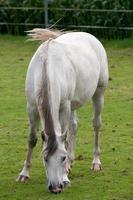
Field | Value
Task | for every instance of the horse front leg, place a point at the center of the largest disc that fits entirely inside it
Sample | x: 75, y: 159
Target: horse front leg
x: 33, y: 122
x: 98, y: 101
x: 71, y: 140
x: 64, y: 116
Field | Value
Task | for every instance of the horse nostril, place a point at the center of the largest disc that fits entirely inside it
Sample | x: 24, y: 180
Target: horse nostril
x: 50, y: 188
x: 61, y: 186
x: 55, y: 190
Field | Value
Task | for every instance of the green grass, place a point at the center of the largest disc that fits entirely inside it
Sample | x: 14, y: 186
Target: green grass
x: 115, y: 181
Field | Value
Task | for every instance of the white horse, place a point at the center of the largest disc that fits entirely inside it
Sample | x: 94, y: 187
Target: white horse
x: 66, y: 71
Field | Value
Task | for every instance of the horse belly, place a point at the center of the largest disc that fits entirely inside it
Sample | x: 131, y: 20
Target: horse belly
x: 83, y: 93
x: 87, y: 77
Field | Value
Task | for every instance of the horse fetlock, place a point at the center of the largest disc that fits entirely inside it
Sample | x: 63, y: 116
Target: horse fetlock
x: 27, y: 165
x: 96, y: 164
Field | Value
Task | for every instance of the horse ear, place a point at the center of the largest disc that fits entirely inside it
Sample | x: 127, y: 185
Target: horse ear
x: 64, y: 136
x: 44, y: 136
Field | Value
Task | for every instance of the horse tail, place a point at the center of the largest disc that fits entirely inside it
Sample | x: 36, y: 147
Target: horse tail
x: 43, y: 94
x: 44, y: 105
x: 43, y: 34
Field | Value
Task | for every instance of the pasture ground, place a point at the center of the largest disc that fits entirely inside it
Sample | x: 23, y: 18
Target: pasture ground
x: 115, y: 181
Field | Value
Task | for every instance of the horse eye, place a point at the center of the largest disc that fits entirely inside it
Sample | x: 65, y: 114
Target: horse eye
x: 63, y: 158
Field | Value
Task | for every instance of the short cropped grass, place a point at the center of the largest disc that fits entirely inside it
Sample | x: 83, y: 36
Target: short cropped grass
x: 115, y: 181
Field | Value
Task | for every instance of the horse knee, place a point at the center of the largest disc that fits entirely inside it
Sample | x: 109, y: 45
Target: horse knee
x: 73, y: 124
x: 96, y: 123
x: 32, y: 140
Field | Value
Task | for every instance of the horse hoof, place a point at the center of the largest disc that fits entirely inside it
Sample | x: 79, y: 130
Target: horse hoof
x: 96, y: 167
x: 22, y: 178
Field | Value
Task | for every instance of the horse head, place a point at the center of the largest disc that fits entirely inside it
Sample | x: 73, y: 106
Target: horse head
x: 55, y: 158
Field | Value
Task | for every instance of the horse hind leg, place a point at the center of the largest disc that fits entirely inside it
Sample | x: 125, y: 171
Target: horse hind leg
x: 98, y: 102
x: 33, y: 121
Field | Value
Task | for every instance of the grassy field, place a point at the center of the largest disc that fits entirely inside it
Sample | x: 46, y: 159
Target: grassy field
x: 115, y: 181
